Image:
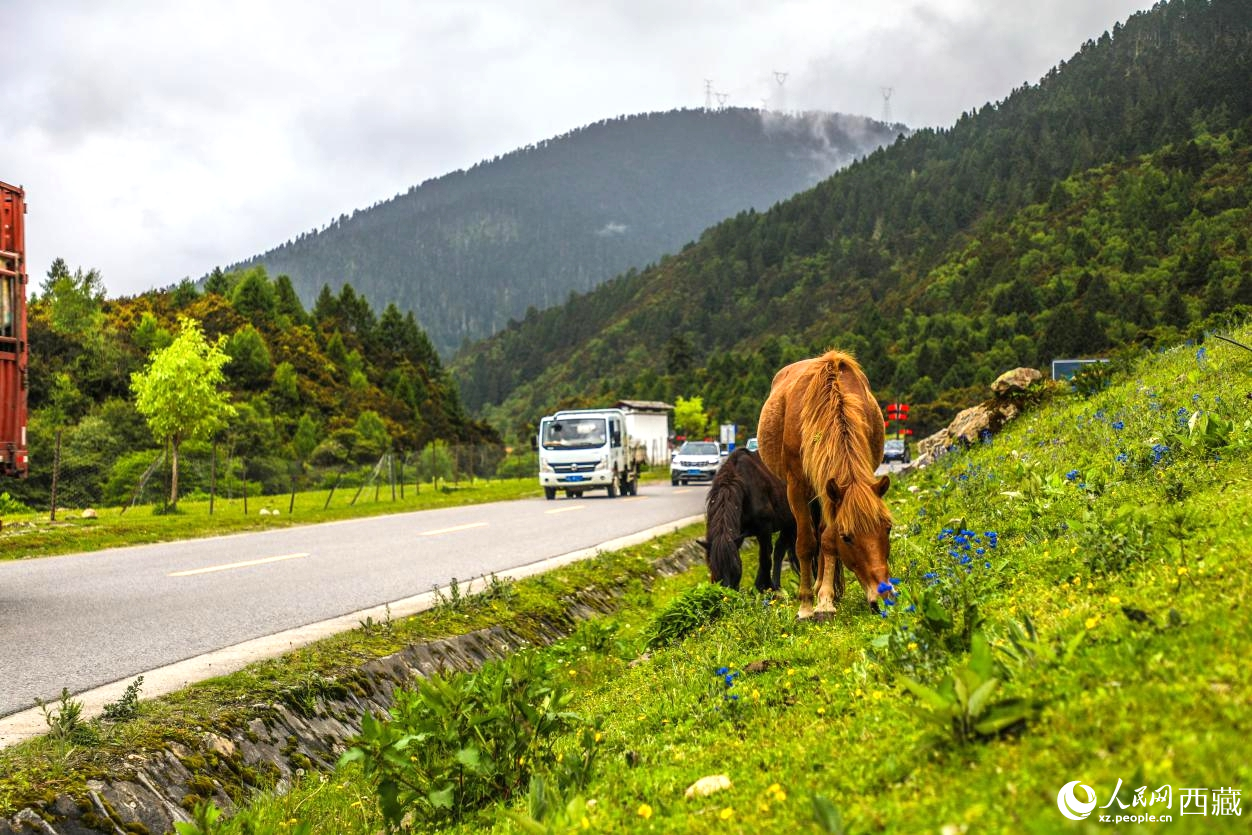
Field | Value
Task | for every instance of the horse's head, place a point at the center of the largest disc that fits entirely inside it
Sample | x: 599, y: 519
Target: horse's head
x: 722, y: 557
x: 860, y: 533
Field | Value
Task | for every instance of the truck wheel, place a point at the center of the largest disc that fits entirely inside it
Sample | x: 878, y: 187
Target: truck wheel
x: 612, y: 489
x: 549, y: 493
x: 673, y: 481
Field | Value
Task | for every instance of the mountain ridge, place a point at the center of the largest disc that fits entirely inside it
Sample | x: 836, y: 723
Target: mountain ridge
x: 881, y: 235
x: 472, y: 249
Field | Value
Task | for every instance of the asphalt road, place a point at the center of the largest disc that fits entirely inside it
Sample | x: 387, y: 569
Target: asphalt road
x: 84, y: 620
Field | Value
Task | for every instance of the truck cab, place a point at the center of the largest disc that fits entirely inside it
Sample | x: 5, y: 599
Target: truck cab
x: 13, y: 347
x: 586, y: 449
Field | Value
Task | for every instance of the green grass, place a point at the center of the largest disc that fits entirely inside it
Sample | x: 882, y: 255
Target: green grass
x: 1130, y: 554
x: 34, y: 535
x: 1138, y: 563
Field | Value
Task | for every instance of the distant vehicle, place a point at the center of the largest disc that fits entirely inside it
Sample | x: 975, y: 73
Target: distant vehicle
x: 13, y: 349
x: 750, y: 446
x: 896, y: 450
x: 695, y: 461
x: 587, y: 449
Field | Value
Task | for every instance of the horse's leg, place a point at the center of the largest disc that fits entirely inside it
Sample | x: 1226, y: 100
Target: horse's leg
x: 830, y: 569
x: 765, y: 542
x: 806, y: 546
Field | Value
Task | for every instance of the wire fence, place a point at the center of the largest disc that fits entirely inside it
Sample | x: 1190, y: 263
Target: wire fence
x: 76, y: 476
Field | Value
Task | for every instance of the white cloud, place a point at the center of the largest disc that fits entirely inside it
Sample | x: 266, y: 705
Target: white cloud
x: 157, y: 140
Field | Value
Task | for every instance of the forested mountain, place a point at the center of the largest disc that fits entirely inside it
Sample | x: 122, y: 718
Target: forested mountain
x: 1108, y: 203
x: 473, y: 249
x: 326, y: 391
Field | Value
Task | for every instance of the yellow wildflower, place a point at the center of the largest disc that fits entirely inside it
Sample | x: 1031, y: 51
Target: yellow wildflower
x: 644, y: 811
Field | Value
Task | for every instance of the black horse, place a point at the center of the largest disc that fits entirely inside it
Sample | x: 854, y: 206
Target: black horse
x: 745, y: 499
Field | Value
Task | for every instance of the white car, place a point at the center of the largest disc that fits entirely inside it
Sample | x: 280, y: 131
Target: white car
x: 695, y: 461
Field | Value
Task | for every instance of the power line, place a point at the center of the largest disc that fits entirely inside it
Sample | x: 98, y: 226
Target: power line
x: 886, y: 103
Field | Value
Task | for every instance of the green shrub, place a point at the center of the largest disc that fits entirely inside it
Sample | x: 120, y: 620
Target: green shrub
x: 458, y: 743
x: 692, y: 609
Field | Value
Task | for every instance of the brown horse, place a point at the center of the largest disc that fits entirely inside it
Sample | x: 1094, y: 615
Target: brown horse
x: 821, y: 432
x: 746, y: 499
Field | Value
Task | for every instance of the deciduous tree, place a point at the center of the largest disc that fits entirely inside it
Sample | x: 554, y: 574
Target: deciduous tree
x: 179, y: 392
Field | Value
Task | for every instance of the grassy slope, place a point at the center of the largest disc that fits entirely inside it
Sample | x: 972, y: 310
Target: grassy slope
x: 1154, y: 703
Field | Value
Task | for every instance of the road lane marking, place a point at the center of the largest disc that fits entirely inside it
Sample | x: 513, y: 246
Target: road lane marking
x: 231, y: 565
x: 565, y: 509
x: 32, y: 722
x: 684, y: 490
x: 454, y: 529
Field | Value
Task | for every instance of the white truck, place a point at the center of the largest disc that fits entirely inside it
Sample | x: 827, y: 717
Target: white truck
x: 587, y: 449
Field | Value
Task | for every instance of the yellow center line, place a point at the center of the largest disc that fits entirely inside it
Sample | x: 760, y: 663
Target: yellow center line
x: 454, y: 529
x: 228, y: 566
x: 565, y: 509
x: 684, y: 490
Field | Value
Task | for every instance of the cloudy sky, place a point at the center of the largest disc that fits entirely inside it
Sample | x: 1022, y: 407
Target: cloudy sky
x: 157, y: 139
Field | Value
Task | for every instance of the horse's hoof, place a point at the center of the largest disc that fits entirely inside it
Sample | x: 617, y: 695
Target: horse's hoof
x: 803, y: 615
x: 823, y: 616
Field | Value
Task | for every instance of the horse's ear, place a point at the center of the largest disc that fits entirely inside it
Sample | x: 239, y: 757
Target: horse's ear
x: 881, y: 487
x: 832, y: 492
x: 703, y: 544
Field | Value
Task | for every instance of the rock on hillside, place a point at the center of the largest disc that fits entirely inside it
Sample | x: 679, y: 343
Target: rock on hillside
x: 1011, y: 392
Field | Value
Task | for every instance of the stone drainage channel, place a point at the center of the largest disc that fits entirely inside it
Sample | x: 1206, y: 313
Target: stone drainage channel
x: 283, y: 741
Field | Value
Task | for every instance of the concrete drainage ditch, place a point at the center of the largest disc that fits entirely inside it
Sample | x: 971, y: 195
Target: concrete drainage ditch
x: 281, y: 742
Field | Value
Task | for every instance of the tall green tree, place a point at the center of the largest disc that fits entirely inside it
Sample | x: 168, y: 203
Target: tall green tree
x: 180, y: 393
x: 689, y: 417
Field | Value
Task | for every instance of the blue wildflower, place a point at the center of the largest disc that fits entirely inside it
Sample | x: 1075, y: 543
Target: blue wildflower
x: 890, y: 601
x: 980, y: 551
x: 1072, y: 474
x: 730, y: 680
x: 721, y: 671
x: 885, y: 588
x: 1201, y: 354
x: 1118, y: 425
x: 1121, y: 457
x: 912, y: 607
x: 965, y: 560
x: 1159, y: 451
x: 987, y: 564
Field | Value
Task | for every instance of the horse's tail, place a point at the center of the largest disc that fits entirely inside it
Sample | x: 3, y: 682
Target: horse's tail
x: 835, y: 442
x: 724, y: 518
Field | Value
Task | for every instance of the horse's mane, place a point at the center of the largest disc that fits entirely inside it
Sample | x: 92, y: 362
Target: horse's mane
x: 835, y: 444
x: 724, y: 504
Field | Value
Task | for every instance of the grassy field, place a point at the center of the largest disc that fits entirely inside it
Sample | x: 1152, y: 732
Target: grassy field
x: 1072, y: 606
x: 34, y: 535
